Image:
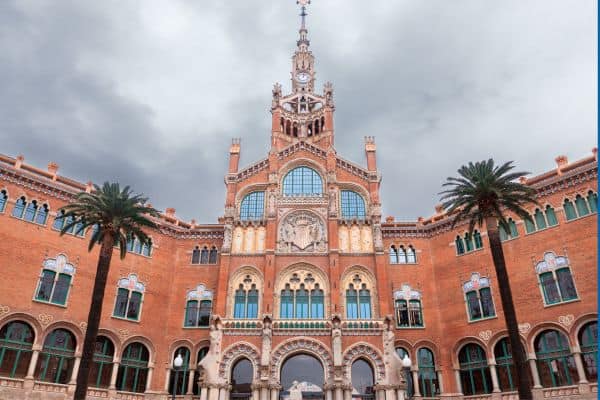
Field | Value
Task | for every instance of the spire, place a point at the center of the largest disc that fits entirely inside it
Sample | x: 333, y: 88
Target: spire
x: 303, y: 42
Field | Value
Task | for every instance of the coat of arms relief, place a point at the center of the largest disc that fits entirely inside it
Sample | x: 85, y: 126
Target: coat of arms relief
x: 302, y: 232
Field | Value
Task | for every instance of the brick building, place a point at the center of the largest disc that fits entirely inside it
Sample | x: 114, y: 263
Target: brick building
x: 301, y: 290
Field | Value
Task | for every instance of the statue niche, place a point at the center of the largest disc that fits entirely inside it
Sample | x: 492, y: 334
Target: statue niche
x: 302, y: 232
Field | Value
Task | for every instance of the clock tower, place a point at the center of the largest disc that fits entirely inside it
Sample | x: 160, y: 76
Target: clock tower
x: 302, y: 115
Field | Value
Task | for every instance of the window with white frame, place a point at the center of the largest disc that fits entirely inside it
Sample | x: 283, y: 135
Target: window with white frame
x: 407, y: 304
x: 30, y: 211
x: 555, y: 279
x: 55, y: 280
x: 198, y: 307
x: 478, y: 297
x: 130, y: 293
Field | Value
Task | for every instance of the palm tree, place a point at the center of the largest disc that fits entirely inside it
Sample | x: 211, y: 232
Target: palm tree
x: 483, y: 193
x: 116, y: 216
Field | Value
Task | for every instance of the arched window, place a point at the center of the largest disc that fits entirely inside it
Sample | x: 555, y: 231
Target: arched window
x: 555, y: 279
x: 133, y: 369
x: 513, y: 228
x: 507, y: 376
x: 363, y: 380
x: 478, y: 297
x: 402, y: 259
x: 55, y: 280
x: 302, y: 297
x: 3, y: 200
x: 555, y: 363
x: 351, y: 303
x: 353, y: 205
x: 551, y: 216
x: 196, y: 255
x: 60, y: 221
x: 252, y: 206
x: 20, y: 205
x: 474, y: 372
x: 529, y: 225
x: 477, y: 239
x: 393, y: 255
x: 178, y: 379
x: 409, y: 313
x: 592, y: 199
x: 540, y: 220
x: 569, y: 210
x: 16, y: 341
x: 201, y: 354
x: 581, y: 206
x: 469, y: 241
x: 246, y: 299
x: 301, y: 303
x: 101, y: 368
x: 428, y: 381
x: 460, y: 246
x: 588, y: 342
x: 411, y: 255
x: 212, y: 256
x: 242, y: 375
x: 302, y: 181
x: 198, y: 307
x: 204, y: 255
x: 317, y: 299
x: 30, y: 211
x: 358, y: 300
x: 130, y: 293
x: 287, y: 303
x: 55, y: 363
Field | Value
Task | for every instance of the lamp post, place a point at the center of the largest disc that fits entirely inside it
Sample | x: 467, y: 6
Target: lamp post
x: 406, y: 364
x: 177, y: 363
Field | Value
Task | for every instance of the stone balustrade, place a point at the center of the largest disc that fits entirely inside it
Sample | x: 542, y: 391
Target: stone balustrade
x: 561, y: 391
x: 11, y: 383
x: 50, y: 387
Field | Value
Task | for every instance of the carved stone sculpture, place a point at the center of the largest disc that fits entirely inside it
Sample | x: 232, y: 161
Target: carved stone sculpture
x: 210, y: 363
x: 227, y: 235
x: 271, y: 211
x: 378, y: 239
x: 391, y: 359
x: 302, y: 232
x: 336, y: 344
x: 333, y: 203
x: 265, y: 356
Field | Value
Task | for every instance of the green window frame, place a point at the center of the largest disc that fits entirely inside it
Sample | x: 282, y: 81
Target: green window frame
x: 196, y: 388
x: 3, y: 200
x: 56, y: 360
x: 551, y: 216
x: 197, y: 313
x: 16, y: 342
x: 480, y: 304
x: 592, y: 199
x: 128, y: 304
x: 102, y: 364
x: 53, y: 288
x: 588, y: 342
x: 581, y: 206
x: 133, y: 369
x: 556, y: 365
x: 252, y: 307
x: 469, y: 242
x: 286, y: 310
x: 474, y: 372
x: 428, y: 380
x: 558, y: 286
x: 460, y: 245
x: 178, y: 379
x: 351, y: 303
x: 317, y: 303
x: 569, y: 210
x: 540, y: 220
x: 302, y: 303
x: 239, y: 306
x: 507, y: 376
x: 529, y: 225
x: 477, y: 239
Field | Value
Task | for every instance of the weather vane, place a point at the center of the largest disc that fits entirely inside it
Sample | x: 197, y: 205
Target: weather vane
x: 303, y: 14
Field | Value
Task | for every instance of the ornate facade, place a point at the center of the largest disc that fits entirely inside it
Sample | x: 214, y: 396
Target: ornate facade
x: 301, y: 289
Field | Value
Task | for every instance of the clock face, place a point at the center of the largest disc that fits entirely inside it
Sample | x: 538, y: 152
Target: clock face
x: 303, y: 77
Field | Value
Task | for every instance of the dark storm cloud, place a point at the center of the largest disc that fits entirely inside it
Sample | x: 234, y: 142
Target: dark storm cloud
x: 150, y: 93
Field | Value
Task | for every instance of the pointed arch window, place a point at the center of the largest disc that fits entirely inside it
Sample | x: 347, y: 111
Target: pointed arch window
x: 133, y: 369
x: 428, y: 381
x: 130, y: 293
x: 198, y: 307
x: 3, y: 200
x: 353, y: 205
x: 55, y: 280
x: 246, y: 297
x: 475, y: 375
x: 551, y: 216
x: 302, y: 181
x: 16, y: 342
x: 512, y: 230
x: 411, y: 255
x: 555, y: 362
x: 588, y: 341
x: 540, y: 220
x: 61, y: 221
x: 460, y: 245
x: 555, y: 279
x: 478, y: 297
x: 409, y: 313
x: 592, y: 199
x: 581, y: 205
x: 56, y: 360
x: 30, y: 212
x: 529, y: 225
x: 302, y: 297
x: 19, y: 207
x: 569, y: 210
x: 212, y: 255
x: 393, y: 255
x: 252, y: 206
x: 402, y: 259
x: 358, y: 300
x: 469, y: 242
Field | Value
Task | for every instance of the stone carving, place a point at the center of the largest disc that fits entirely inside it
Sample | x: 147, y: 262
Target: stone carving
x: 233, y: 353
x: 45, y: 319
x: 566, y: 320
x: 210, y: 362
x: 364, y: 350
x: 265, y: 354
x: 276, y: 95
x: 83, y: 326
x: 333, y: 203
x: 302, y: 232
x: 485, y: 335
x: 301, y: 345
x: 524, y: 327
x: 124, y: 333
x: 328, y: 92
x: 377, y: 239
x: 4, y: 310
x: 227, y: 236
x: 272, y: 212
x: 391, y: 359
x: 336, y: 342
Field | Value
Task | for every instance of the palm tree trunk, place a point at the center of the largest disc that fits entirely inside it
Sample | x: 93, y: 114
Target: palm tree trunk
x: 93, y: 321
x: 510, y: 316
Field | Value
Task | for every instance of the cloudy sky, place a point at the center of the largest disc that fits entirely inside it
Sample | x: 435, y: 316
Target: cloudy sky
x: 149, y: 93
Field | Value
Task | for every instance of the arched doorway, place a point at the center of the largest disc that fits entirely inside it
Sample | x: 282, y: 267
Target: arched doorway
x: 241, y: 380
x: 302, y: 377
x: 363, y: 380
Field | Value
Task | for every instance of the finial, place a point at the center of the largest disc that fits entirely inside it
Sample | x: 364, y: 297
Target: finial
x: 303, y: 13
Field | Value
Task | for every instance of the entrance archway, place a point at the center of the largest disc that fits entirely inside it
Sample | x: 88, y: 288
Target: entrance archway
x: 241, y: 380
x: 302, y: 377
x: 363, y: 380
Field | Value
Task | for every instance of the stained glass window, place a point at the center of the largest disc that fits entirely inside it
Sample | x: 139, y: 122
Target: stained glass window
x: 56, y: 360
x: 252, y: 206
x: 556, y: 365
x: 302, y: 181
x: 16, y: 341
x: 588, y: 340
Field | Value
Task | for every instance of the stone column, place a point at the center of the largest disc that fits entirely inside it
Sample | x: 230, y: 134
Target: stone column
x: 494, y: 375
x: 400, y: 394
x: 328, y: 394
x: 390, y: 393
x: 167, y: 379
x: 255, y: 393
x: 535, y: 374
x: 579, y: 364
x: 440, y: 381
x: 380, y: 394
x: 75, y: 370
x: 338, y: 393
x: 33, y: 362
x: 347, y: 394
x: 458, y: 384
x: 223, y: 392
x: 264, y: 393
x: 213, y: 392
x: 149, y: 378
x: 190, y: 387
x: 113, y: 376
x: 416, y: 389
x: 203, y: 392
x: 274, y: 393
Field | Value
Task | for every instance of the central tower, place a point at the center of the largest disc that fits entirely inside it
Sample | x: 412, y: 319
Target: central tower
x: 302, y: 115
